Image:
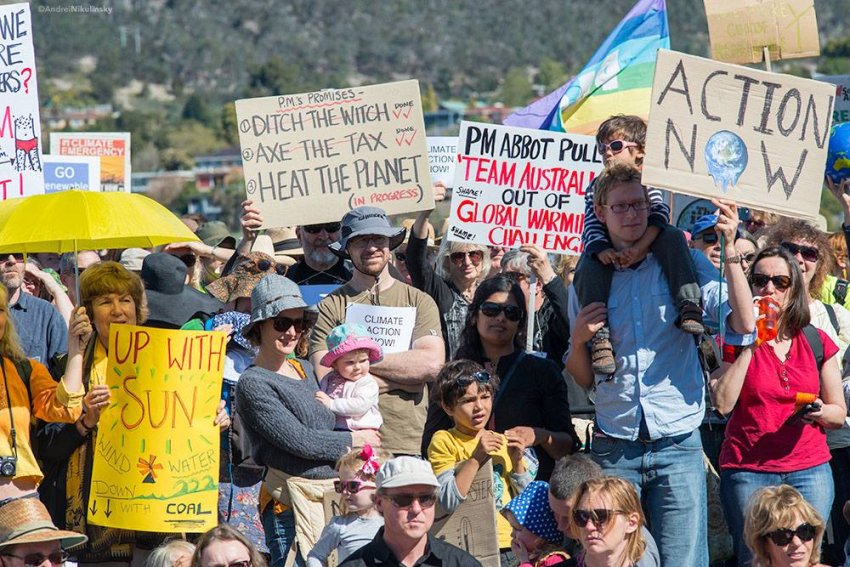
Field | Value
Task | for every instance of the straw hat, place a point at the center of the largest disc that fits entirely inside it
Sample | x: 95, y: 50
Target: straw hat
x: 26, y: 520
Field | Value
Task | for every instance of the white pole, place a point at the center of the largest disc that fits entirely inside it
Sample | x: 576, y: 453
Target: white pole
x: 529, y: 331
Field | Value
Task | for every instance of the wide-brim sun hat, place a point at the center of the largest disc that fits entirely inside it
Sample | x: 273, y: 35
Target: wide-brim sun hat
x: 26, y: 520
x: 347, y: 338
x: 241, y: 281
x: 270, y: 296
x: 264, y: 244
x: 364, y: 221
x: 170, y: 301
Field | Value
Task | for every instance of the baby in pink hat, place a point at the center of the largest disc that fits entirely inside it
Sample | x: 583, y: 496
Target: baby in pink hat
x: 349, y: 391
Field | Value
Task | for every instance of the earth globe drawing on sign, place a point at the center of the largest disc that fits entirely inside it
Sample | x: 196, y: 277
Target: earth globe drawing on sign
x: 838, y: 155
x: 726, y: 157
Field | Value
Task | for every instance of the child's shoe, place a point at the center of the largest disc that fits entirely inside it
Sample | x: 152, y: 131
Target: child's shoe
x: 602, y: 352
x: 690, y: 318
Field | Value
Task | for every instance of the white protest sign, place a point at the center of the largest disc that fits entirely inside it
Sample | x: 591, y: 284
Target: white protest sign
x: 21, y: 171
x: 390, y: 327
x: 516, y: 186
x: 442, y: 156
x: 310, y: 158
x: 841, y: 110
x: 721, y: 130
x: 111, y: 148
x: 64, y: 173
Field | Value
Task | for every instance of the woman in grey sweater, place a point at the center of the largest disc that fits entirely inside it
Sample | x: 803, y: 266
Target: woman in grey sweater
x: 291, y: 433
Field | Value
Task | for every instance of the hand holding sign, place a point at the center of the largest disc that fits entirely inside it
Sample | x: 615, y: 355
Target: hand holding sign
x: 727, y: 222
x: 94, y: 402
x: 841, y: 192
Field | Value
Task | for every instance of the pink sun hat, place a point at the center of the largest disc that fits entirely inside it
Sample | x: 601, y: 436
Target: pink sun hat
x: 349, y: 337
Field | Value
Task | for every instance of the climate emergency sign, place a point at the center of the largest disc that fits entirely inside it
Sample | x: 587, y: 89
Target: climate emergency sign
x: 515, y: 186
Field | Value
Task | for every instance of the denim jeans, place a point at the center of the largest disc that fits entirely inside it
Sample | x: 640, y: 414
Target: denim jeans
x: 669, y: 476
x: 736, y: 487
x: 280, y: 535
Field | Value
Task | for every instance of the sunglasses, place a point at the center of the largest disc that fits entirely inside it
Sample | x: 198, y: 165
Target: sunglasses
x: 808, y: 253
x: 282, y: 324
x: 351, y: 486
x: 623, y: 208
x: 490, y: 309
x: 401, y: 256
x: 748, y: 258
x: 403, y: 501
x: 806, y: 532
x: 600, y: 516
x: 482, y: 377
x: 317, y: 228
x: 779, y: 282
x: 36, y: 559
x: 709, y: 237
x: 242, y: 563
x: 266, y: 265
x: 17, y: 256
x: 616, y: 146
x: 475, y: 256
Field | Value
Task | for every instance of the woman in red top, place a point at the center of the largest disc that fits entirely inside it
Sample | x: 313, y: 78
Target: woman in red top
x: 771, y: 437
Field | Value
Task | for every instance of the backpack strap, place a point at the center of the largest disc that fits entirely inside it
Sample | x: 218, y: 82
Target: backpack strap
x: 24, y: 368
x: 833, y: 318
x: 839, y: 292
x: 815, y: 343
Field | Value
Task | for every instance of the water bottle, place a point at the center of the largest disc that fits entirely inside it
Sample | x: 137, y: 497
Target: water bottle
x: 767, y: 319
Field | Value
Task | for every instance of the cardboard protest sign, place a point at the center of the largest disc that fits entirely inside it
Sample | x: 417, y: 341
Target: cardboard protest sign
x: 841, y: 110
x: 390, y: 327
x: 442, y: 156
x: 311, y: 157
x: 472, y: 526
x: 739, y: 30
x: 516, y: 186
x: 157, y: 449
x: 21, y: 171
x: 720, y: 130
x: 112, y: 148
x: 65, y: 173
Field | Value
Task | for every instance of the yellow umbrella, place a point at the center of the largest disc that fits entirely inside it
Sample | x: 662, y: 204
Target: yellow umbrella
x: 69, y: 221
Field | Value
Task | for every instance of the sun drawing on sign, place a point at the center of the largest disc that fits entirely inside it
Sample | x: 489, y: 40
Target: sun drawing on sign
x: 148, y: 469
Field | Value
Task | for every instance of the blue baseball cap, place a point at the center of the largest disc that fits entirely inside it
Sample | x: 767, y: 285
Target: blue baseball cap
x: 705, y: 222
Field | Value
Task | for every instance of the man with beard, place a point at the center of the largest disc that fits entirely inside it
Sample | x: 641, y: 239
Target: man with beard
x: 42, y: 329
x: 367, y: 239
x: 318, y: 266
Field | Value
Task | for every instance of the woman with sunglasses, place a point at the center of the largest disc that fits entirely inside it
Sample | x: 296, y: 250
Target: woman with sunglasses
x: 780, y: 402
x: 606, y: 520
x: 292, y: 435
x: 782, y: 529
x: 531, y: 405
x: 460, y: 267
x: 225, y: 546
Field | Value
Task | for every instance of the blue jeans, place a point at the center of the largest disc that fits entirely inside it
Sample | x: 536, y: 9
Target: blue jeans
x: 736, y: 487
x: 280, y: 535
x: 669, y: 476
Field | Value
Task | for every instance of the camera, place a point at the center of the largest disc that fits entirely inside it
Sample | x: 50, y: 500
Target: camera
x: 8, y: 466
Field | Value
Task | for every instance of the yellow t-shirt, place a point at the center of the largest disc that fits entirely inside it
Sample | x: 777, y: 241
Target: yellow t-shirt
x: 448, y: 448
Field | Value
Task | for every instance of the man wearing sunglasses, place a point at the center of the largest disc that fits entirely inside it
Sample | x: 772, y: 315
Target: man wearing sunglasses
x: 319, y: 266
x: 368, y: 239
x: 406, y: 498
x: 28, y: 537
x: 705, y: 239
x: 648, y: 412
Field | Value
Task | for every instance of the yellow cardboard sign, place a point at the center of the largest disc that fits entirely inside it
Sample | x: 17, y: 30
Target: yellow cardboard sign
x: 157, y: 449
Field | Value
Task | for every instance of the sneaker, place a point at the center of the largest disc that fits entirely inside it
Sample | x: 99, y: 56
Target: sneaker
x: 602, y: 355
x: 690, y: 318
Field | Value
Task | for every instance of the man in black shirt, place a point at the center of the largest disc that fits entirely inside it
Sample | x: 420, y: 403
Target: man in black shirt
x: 319, y: 266
x: 407, y: 493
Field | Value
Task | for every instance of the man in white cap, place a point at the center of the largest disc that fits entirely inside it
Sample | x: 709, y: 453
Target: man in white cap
x: 28, y: 536
x: 407, y: 493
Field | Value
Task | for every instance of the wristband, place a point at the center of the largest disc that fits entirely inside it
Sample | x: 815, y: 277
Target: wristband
x: 734, y: 259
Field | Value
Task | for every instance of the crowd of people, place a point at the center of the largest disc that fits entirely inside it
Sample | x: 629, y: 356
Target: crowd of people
x: 671, y: 355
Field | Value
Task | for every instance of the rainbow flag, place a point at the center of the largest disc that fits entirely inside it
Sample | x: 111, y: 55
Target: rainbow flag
x: 616, y: 80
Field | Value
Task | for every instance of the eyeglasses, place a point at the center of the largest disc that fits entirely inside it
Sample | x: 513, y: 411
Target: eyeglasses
x: 242, y: 563
x: 600, y: 516
x: 709, y: 237
x: 779, y: 282
x: 351, y: 486
x: 475, y: 256
x: 403, y: 501
x: 806, y: 532
x: 317, y: 228
x: 748, y: 258
x: 616, y: 146
x: 282, y: 324
x: 266, y: 265
x: 491, y: 309
x: 37, y: 559
x: 623, y: 208
x: 376, y: 240
x: 401, y: 256
x: 808, y: 253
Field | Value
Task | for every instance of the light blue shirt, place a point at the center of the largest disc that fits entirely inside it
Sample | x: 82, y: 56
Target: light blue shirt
x: 658, y: 374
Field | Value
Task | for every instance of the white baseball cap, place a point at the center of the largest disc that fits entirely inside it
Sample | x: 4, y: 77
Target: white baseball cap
x: 405, y: 471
